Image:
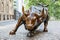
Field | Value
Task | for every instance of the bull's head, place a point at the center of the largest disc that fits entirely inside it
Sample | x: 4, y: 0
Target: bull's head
x: 31, y: 21
x: 30, y: 18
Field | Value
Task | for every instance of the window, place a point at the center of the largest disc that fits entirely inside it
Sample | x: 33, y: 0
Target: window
x: 0, y: 16
x: 10, y: 16
x: 10, y: 0
x: 7, y: 17
x: 7, y: 4
x: 2, y: 2
x: 3, y: 17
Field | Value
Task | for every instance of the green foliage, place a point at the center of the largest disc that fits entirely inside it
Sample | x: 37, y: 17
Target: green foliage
x: 54, y: 6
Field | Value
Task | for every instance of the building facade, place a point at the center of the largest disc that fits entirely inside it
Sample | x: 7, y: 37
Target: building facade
x: 17, y: 8
x: 6, y: 10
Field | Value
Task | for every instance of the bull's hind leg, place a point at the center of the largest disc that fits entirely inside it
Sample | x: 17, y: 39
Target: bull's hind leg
x: 17, y: 26
x: 45, y: 24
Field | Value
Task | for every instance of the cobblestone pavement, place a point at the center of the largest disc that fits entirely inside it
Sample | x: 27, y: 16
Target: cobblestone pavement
x: 52, y: 34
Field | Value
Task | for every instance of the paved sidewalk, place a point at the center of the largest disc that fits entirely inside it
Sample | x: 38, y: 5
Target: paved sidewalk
x: 52, y: 34
x: 7, y: 22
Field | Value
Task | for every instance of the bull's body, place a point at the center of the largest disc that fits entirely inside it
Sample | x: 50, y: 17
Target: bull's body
x: 33, y: 18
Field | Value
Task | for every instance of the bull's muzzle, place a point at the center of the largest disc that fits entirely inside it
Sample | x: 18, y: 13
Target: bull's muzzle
x: 29, y: 25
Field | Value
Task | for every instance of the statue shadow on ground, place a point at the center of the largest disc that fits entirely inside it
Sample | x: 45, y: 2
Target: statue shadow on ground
x: 36, y: 33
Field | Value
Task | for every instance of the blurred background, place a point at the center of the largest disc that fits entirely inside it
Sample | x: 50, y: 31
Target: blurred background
x: 53, y: 8
x: 12, y: 9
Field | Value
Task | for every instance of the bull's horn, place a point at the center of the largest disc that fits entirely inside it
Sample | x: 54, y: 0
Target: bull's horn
x: 43, y: 11
x: 22, y: 9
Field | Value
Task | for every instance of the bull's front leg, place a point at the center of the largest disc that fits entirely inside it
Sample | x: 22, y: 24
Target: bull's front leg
x: 17, y: 26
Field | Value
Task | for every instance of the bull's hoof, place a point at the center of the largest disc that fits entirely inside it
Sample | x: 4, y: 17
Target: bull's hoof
x: 45, y: 30
x: 30, y: 34
x: 12, y: 33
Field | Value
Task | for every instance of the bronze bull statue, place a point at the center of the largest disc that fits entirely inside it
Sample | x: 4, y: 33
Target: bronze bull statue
x: 32, y: 20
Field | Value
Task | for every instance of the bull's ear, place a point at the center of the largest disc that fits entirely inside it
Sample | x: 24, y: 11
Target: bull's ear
x: 22, y: 9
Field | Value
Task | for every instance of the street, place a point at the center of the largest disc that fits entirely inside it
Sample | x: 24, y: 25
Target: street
x: 52, y: 34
